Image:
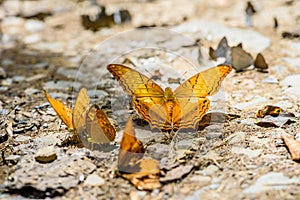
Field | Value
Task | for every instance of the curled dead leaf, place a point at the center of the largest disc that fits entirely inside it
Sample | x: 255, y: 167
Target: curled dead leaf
x: 293, y: 146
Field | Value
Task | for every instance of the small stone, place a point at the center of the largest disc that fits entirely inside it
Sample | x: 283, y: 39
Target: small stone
x: 271, y: 80
x: 13, y: 159
x: 3, y: 136
x: 239, y: 137
x: 246, y: 151
x: 272, y: 181
x: 33, y: 25
x: 46, y: 154
x: 7, y: 82
x: 94, y: 180
x: 31, y: 91
x: 36, y: 77
x: 22, y: 138
x: 18, y: 79
x: 2, y: 73
x: 30, y: 39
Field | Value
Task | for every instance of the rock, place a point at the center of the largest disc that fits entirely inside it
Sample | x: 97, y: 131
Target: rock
x: 7, y: 82
x: 239, y: 137
x: 292, y: 83
x: 61, y: 85
x: 46, y: 154
x: 2, y: 73
x: 292, y: 62
x: 13, y: 159
x: 246, y: 151
x: 271, y: 80
x: 18, y: 79
x: 252, y: 41
x: 33, y: 25
x: 3, y: 136
x: 201, y: 179
x: 22, y: 138
x: 34, y: 38
x: 36, y: 77
x: 250, y: 104
x: 94, y: 180
x: 30, y: 91
x: 210, y: 170
x: 271, y: 181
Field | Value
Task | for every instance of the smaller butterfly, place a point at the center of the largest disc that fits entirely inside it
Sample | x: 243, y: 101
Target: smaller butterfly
x: 143, y: 173
x: 223, y: 50
x: 240, y: 58
x: 260, y: 63
x: 88, y: 123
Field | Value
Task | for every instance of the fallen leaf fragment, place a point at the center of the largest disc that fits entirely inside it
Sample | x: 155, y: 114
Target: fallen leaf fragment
x: 147, y: 178
x: 177, y: 173
x: 293, y: 146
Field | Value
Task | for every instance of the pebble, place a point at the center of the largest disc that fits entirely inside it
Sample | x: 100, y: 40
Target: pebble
x: 13, y: 159
x: 246, y: 151
x: 7, y: 82
x: 292, y: 83
x: 31, y: 39
x: 210, y: 170
x: 252, y: 41
x: 22, y: 138
x: 270, y: 79
x: 46, y: 154
x: 31, y: 91
x: 36, y: 77
x: 271, y: 181
x: 18, y: 78
x: 201, y: 179
x: 292, y: 62
x: 2, y: 73
x: 250, y: 104
x: 61, y: 85
x: 3, y: 136
x: 94, y: 180
x: 33, y: 25
x: 239, y: 137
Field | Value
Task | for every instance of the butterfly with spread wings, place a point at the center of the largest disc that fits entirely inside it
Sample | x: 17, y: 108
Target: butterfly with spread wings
x: 170, y: 110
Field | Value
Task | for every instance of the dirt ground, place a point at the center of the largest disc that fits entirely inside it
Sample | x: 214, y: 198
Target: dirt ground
x: 45, y: 46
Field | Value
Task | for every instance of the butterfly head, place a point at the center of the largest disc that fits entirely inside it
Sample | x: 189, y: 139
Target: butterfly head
x: 169, y: 94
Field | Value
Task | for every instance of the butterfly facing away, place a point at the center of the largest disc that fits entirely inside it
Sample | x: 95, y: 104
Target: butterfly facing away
x: 166, y: 109
x: 88, y: 123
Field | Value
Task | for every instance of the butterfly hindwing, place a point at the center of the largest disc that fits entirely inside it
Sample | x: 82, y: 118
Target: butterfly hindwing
x: 98, y: 126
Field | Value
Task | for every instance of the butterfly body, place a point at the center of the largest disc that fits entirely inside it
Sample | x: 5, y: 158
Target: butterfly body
x: 166, y: 109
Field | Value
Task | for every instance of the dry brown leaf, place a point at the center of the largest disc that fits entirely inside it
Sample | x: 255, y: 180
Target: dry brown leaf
x: 293, y: 146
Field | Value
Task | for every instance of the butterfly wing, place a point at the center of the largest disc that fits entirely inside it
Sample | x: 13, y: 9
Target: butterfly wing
x: 147, y: 95
x: 203, y: 84
x: 64, y: 113
x: 98, y: 126
x: 240, y: 58
x: 191, y: 96
x: 135, y: 83
x: 189, y: 112
x: 260, y: 62
x: 131, y: 149
x: 81, y: 107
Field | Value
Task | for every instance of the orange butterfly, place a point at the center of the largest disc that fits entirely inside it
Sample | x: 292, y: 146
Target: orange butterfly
x: 131, y: 149
x: 166, y: 109
x: 141, y: 172
x: 87, y: 121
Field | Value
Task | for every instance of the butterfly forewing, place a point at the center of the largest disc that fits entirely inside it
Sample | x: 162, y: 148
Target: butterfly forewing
x: 81, y: 107
x: 64, y: 113
x: 135, y: 83
x: 131, y: 149
x: 203, y: 84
